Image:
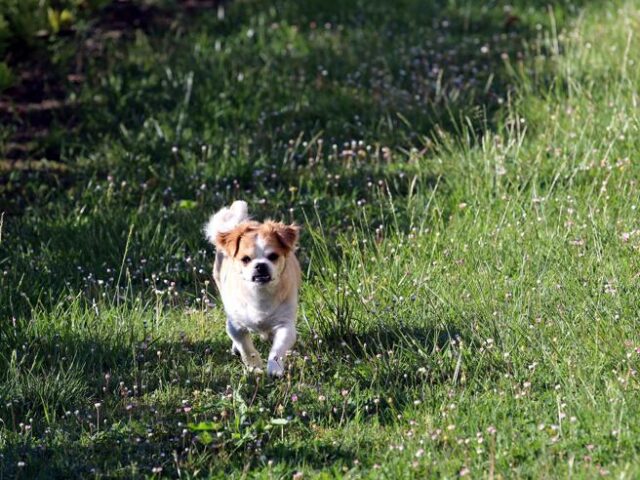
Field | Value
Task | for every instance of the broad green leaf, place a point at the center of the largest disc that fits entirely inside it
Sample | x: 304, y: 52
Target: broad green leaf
x: 204, y: 426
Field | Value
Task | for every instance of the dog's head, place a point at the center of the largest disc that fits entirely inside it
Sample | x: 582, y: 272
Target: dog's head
x: 259, y: 250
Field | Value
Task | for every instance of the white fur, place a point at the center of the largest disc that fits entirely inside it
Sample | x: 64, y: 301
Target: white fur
x: 226, y: 220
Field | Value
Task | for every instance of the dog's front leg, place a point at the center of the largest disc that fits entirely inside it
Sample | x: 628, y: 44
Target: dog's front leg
x: 283, y: 339
x: 242, y: 342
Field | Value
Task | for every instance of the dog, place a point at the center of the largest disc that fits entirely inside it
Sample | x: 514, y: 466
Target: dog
x: 258, y: 277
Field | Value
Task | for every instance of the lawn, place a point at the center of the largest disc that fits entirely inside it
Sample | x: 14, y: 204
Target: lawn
x: 466, y: 175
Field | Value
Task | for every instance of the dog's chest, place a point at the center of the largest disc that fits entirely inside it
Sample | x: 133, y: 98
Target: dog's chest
x: 258, y: 317
x: 248, y: 316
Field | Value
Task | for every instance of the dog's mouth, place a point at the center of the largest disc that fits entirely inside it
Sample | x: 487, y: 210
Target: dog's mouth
x: 261, y: 279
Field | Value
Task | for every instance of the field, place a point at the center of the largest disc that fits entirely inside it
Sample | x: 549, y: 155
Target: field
x: 466, y: 175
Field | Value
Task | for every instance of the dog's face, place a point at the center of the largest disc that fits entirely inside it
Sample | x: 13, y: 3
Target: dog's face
x: 259, y: 250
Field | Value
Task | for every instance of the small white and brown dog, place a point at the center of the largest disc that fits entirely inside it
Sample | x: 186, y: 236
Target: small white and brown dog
x: 258, y: 276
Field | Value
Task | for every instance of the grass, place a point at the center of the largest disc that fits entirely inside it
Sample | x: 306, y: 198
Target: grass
x: 466, y: 177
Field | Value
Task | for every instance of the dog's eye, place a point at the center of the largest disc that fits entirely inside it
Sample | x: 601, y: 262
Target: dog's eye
x: 272, y: 257
x: 245, y: 260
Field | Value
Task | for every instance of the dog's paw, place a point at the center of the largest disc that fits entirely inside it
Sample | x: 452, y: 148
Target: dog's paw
x: 254, y: 363
x: 274, y: 369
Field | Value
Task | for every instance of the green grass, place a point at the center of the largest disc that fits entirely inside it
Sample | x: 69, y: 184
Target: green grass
x: 470, y: 248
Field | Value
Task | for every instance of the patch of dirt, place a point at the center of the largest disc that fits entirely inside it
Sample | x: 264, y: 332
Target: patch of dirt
x: 39, y: 96
x: 39, y: 99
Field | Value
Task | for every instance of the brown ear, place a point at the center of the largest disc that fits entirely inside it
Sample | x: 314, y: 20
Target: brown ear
x: 288, y: 235
x: 229, y: 241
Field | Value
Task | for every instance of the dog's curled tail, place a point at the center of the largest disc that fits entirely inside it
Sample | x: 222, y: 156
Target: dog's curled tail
x: 226, y: 220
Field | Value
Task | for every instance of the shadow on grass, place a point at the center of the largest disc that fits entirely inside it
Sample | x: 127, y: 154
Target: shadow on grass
x: 57, y: 381
x: 42, y: 387
x: 51, y: 376
x: 316, y: 454
x: 124, y: 455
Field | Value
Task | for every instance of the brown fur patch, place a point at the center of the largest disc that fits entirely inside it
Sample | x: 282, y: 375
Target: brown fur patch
x: 240, y: 241
x: 230, y: 241
x: 285, y: 235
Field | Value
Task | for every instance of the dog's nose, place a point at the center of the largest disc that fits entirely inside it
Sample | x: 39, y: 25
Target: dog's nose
x: 262, y: 269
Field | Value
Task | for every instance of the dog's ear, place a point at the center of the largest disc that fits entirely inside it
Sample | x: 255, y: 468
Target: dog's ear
x: 288, y: 235
x: 229, y: 242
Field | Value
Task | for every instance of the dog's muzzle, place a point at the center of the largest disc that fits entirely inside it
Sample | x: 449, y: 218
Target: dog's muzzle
x: 261, y: 274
